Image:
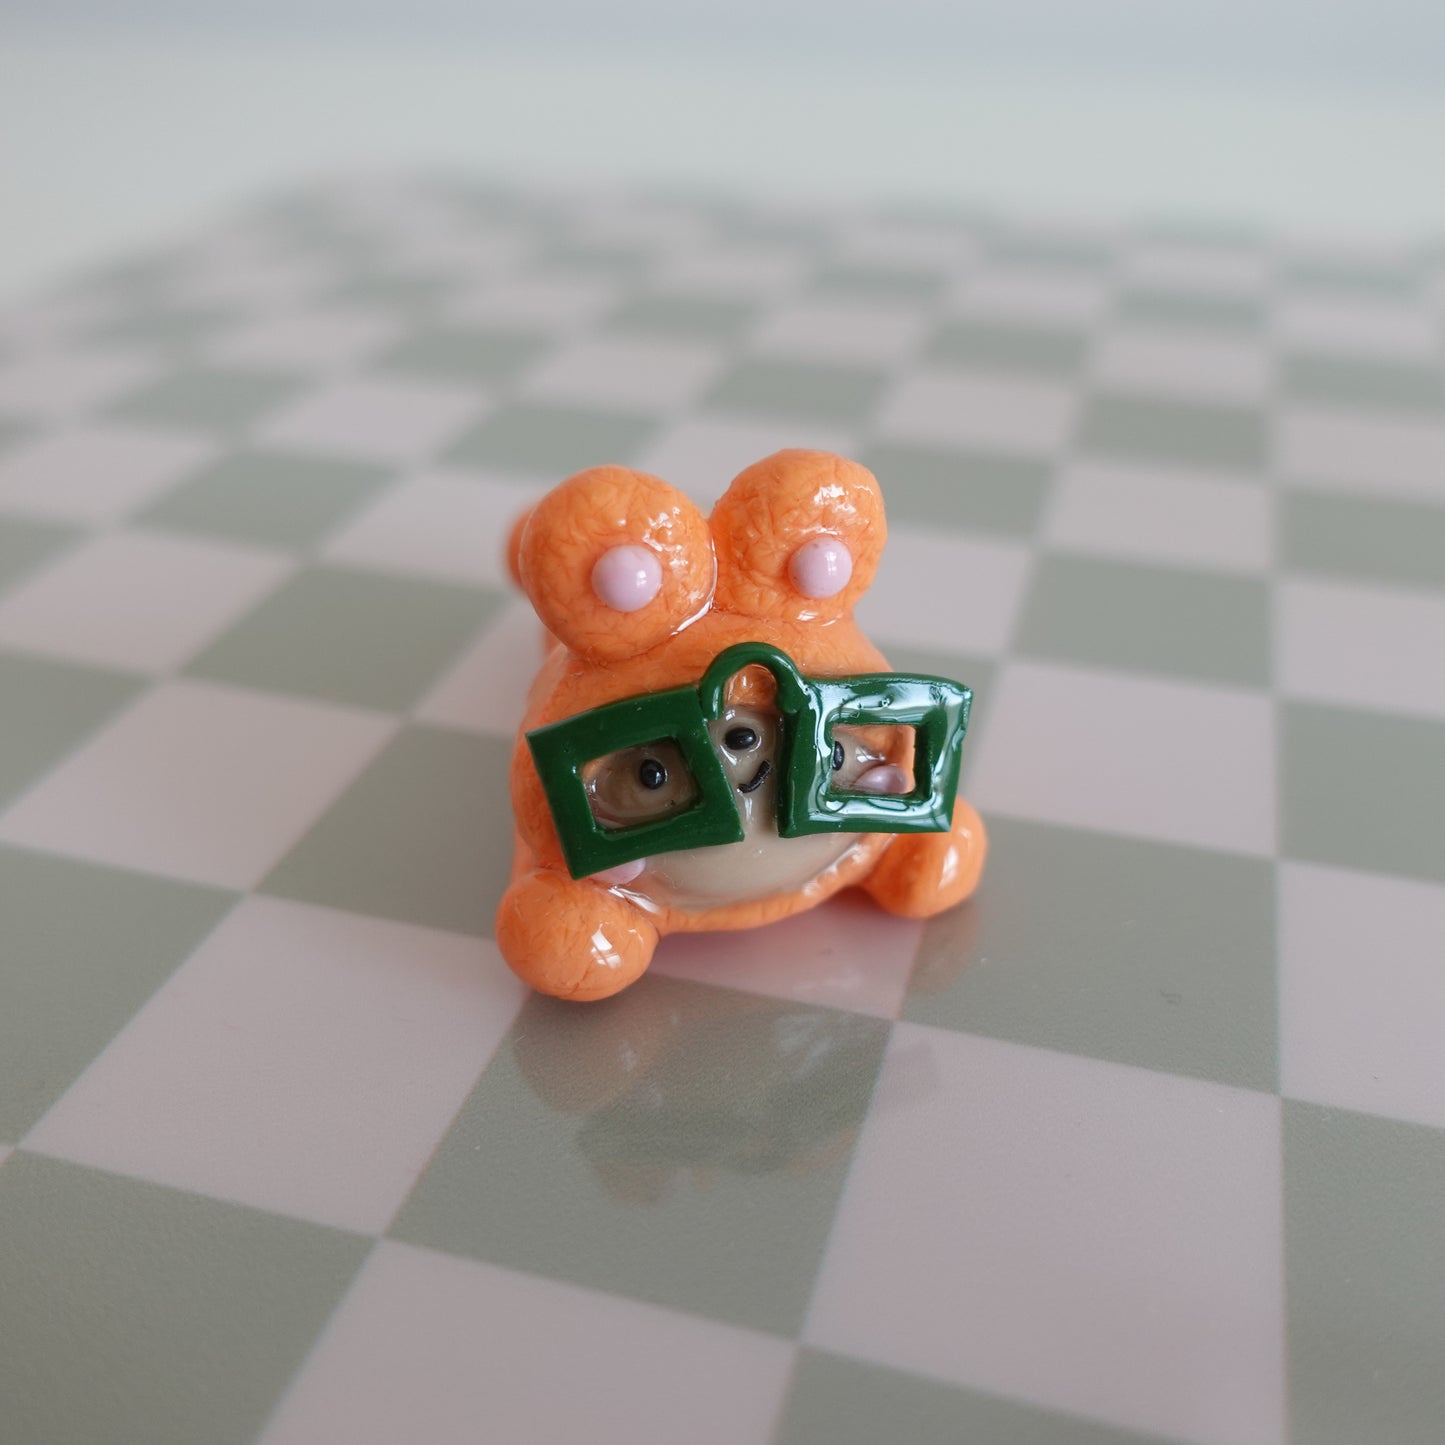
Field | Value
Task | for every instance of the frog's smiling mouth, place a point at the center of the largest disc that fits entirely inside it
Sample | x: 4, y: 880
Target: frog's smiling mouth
x: 764, y: 768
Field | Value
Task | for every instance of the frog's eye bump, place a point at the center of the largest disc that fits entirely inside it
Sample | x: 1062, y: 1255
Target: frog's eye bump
x: 821, y: 568
x: 627, y: 577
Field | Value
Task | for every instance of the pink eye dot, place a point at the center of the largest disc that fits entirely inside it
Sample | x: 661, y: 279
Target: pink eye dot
x: 627, y: 577
x: 821, y: 568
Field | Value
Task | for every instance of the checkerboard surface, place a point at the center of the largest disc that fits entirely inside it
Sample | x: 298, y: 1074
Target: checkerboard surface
x: 1146, y: 1143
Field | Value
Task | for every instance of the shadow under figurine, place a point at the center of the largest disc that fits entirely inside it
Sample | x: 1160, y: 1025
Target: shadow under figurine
x: 711, y: 742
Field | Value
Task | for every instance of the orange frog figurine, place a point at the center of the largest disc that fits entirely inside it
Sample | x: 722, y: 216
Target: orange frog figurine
x: 711, y: 741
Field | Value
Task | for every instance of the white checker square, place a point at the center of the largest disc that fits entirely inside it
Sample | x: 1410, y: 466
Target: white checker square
x: 551, y: 303
x: 1116, y: 1234
x: 1362, y: 992
x: 1041, y: 295
x: 1222, y: 271
x: 1167, y: 517
x: 469, y: 697
x: 55, y: 320
x: 442, y: 522
x: 1147, y: 757
x: 199, y: 781
x: 1327, y: 321
x: 250, y: 281
x: 842, y: 331
x: 1024, y: 417
x: 303, y: 1060
x: 701, y: 455
x: 51, y: 385
x: 96, y: 474
x: 375, y: 419
x: 625, y: 372
x: 1356, y: 645
x: 955, y: 593
x: 847, y: 953
x: 448, y: 1351
x: 1361, y: 451
x: 1185, y: 364
x: 315, y: 342
x: 137, y: 600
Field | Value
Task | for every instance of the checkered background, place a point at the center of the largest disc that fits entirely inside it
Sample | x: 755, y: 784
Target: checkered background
x: 1147, y: 1143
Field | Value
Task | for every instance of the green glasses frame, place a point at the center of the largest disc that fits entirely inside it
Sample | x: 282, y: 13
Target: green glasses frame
x: 810, y: 707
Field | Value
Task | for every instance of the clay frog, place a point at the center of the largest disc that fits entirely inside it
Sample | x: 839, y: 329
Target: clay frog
x: 711, y: 742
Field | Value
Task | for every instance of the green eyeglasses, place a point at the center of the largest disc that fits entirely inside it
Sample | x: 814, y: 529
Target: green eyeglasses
x: 810, y: 710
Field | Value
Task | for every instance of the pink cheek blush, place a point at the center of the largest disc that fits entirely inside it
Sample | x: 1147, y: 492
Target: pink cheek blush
x: 821, y: 568
x: 622, y: 873
x: 883, y: 778
x: 627, y: 577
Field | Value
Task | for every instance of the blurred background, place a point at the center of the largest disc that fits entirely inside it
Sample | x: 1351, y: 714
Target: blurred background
x: 122, y: 124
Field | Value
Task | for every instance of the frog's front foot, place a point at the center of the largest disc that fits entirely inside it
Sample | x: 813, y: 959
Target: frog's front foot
x: 921, y: 874
x: 571, y: 938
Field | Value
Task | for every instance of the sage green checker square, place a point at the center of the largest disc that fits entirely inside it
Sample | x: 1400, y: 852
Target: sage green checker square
x: 970, y: 490
x: 47, y: 709
x: 879, y: 283
x: 25, y: 543
x: 365, y: 639
x: 1156, y: 620
x: 464, y: 354
x: 10, y: 433
x: 679, y: 1143
x: 272, y: 498
x: 1365, y: 382
x: 738, y: 222
x: 211, y: 398
x: 84, y: 947
x: 1380, y: 539
x: 424, y: 836
x: 552, y: 440
x: 1186, y: 310
x: 1363, y: 790
x: 1364, y: 1235
x: 593, y: 258
x: 396, y: 291
x: 799, y: 389
x: 1364, y: 278
x: 131, y: 1312
x: 681, y: 316
x: 1207, y: 434
x: 166, y: 325
x: 993, y: 347
x: 1039, y: 249
x: 1150, y: 954
x: 838, y: 1401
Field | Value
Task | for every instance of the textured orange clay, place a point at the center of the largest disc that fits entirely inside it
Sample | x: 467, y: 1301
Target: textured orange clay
x: 725, y: 580
x: 579, y: 940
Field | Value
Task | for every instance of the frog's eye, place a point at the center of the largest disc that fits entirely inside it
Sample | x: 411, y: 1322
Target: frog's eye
x: 639, y: 784
x: 741, y: 739
x: 615, y: 561
x: 798, y: 537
